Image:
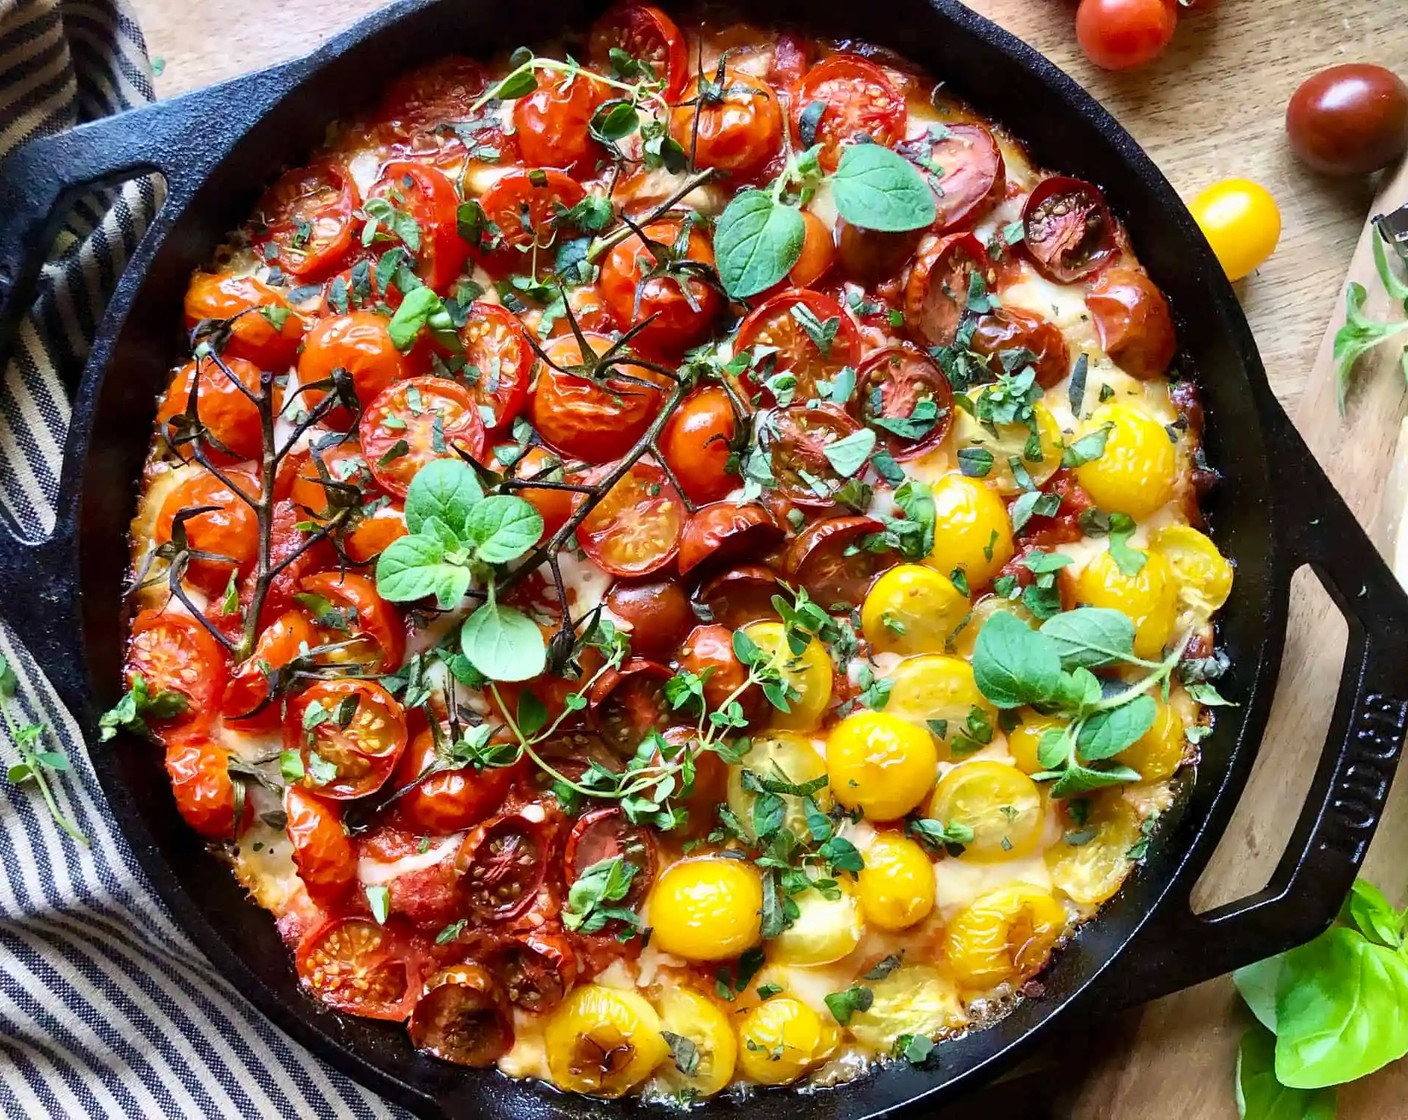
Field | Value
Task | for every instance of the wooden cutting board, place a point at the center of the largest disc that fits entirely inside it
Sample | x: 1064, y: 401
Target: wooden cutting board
x: 1210, y: 108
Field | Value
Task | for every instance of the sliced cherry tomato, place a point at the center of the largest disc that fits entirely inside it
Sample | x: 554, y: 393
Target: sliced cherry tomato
x: 359, y: 611
x: 708, y: 652
x: 253, y: 308
x: 697, y: 442
x: 359, y: 343
x: 429, y: 197
x: 1069, y: 231
x: 603, y: 834
x: 859, y: 101
x: 733, y: 125
x: 308, y: 217
x: 646, y: 34
x: 902, y: 392
x: 175, y: 653
x: 1132, y: 321
x: 322, y: 852
x: 415, y: 422
x: 362, y: 968
x: 826, y: 559
x: 628, y: 703
x: 551, y: 122
x: 538, y: 969
x: 635, y: 529
x: 502, y: 865
x: 204, y: 791
x: 349, y: 734
x: 1121, y: 34
x: 795, y: 440
x: 229, y: 527
x: 498, y: 363
x: 447, y: 800
x: 654, y: 281
x: 418, y: 107
x: 657, y: 612
x: 586, y: 419
x: 525, y: 206
x: 1011, y: 328
x: 973, y: 178
x: 293, y: 557
x: 233, y: 426
x: 936, y: 294
x: 725, y: 533
x: 246, y: 704
x: 462, y: 1017
x: 806, y: 334
x: 1062, y: 527
x: 741, y: 595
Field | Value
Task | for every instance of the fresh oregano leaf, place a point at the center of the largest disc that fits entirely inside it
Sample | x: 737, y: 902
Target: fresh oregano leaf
x: 756, y: 243
x: 1105, y: 734
x: 414, y: 567
x: 443, y: 488
x: 502, y: 527
x: 504, y: 644
x: 876, y: 188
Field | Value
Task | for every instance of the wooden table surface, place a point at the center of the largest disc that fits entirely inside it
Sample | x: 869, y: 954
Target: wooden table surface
x: 1210, y: 108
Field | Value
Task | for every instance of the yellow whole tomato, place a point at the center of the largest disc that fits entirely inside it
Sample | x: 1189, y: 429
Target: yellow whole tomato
x: 1241, y: 221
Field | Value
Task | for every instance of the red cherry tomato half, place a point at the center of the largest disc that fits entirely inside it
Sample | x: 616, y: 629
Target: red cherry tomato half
x: 502, y: 864
x: 708, y: 653
x: 903, y: 394
x: 462, y: 1017
x: 362, y: 968
x: 1069, y: 230
x: 349, y: 735
x: 204, y: 791
x: 498, y: 363
x: 813, y: 338
x: 725, y: 533
x: 635, y: 529
x: 525, y: 206
x: 936, y: 294
x: 246, y: 704
x: 323, y: 854
x: 429, y: 197
x: 646, y: 34
x: 415, y: 422
x: 1011, y: 328
x: 603, y: 834
x: 796, y: 440
x: 826, y: 560
x: 973, y: 178
x: 447, y: 800
x: 417, y: 105
x: 359, y: 611
x: 308, y: 216
x: 628, y: 703
x: 293, y: 558
x: 1120, y: 34
x: 741, y: 595
x: 1062, y: 527
x: 859, y: 101
x: 538, y: 969
x: 1132, y: 321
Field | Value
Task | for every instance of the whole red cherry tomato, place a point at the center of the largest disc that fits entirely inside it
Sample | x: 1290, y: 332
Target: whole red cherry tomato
x: 1120, y: 34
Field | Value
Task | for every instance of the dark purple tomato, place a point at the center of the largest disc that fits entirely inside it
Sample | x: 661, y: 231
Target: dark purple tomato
x: 1350, y: 119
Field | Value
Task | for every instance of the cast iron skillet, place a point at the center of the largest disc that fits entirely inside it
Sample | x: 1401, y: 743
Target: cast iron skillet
x: 1275, y: 511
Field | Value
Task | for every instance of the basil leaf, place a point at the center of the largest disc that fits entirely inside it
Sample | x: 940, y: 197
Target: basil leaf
x: 1257, y: 983
x: 1373, y: 915
x: 443, y: 488
x: 1013, y: 664
x: 875, y: 188
x: 503, y: 644
x: 502, y: 527
x: 1091, y: 636
x: 1341, y: 1010
x: 1261, y: 1097
x: 414, y: 567
x: 1107, y: 733
x: 756, y: 243
x: 849, y: 454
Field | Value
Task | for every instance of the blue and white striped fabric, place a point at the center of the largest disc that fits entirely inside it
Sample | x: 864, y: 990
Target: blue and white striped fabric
x: 106, y: 1009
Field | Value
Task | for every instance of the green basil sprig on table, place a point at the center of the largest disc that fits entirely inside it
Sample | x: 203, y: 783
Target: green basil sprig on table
x: 1330, y: 1011
x: 457, y: 537
x: 1360, y: 334
x: 760, y: 233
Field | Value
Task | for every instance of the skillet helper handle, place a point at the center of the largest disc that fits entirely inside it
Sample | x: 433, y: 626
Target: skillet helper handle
x: 1357, y: 764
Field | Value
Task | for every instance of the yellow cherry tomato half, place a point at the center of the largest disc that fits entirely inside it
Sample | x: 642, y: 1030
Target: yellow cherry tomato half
x: 824, y: 930
x: 1241, y: 221
x: 782, y: 1039
x: 939, y: 694
x: 972, y: 530
x: 1149, y: 597
x: 786, y: 756
x: 1138, y: 469
x: 602, y: 1041
x: 1011, y: 441
x: 1004, y: 936
x: 707, y: 909
x: 693, y: 1015
x: 1024, y: 740
x: 896, y: 885
x: 966, y: 637
x: 1002, y: 806
x: 880, y: 764
x: 807, y: 673
x: 915, y: 999
x: 1159, y: 752
x: 1091, y: 861
x: 912, y: 609
x: 1203, y: 574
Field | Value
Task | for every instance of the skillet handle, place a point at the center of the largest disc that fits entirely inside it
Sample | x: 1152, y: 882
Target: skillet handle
x: 1357, y: 763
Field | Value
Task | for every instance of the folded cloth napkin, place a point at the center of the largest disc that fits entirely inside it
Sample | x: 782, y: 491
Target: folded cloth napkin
x: 106, y: 1009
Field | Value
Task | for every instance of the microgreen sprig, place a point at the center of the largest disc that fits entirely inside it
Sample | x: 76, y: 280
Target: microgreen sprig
x: 1360, y: 334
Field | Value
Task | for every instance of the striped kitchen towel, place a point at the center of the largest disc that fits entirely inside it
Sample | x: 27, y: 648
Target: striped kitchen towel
x: 106, y: 1009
